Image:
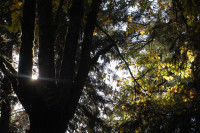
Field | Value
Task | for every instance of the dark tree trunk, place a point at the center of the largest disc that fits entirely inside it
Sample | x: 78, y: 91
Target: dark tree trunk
x: 85, y: 62
x: 25, y: 59
x: 5, y: 117
x: 5, y: 106
x: 46, y: 41
x: 66, y: 78
x: 51, y: 106
x: 26, y: 53
x: 47, y: 122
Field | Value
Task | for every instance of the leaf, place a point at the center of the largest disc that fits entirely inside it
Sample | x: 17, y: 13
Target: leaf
x: 123, y: 107
x: 129, y: 19
x: 126, y: 33
x: 142, y: 32
x: 19, y: 3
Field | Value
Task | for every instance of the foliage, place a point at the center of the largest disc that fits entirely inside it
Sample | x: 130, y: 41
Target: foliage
x: 157, y: 39
x: 164, y: 95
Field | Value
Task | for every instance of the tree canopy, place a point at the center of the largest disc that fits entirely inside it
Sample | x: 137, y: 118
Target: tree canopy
x: 71, y: 46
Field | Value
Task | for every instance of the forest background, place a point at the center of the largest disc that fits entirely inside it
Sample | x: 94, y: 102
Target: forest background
x: 71, y: 47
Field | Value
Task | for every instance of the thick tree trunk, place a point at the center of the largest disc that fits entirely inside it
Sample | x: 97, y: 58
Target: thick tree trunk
x: 47, y: 122
x: 25, y: 60
x: 47, y: 111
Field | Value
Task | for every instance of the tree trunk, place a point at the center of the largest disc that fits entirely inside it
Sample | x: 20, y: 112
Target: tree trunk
x: 46, y: 41
x: 5, y: 106
x: 26, y: 55
x: 47, y: 122
x: 48, y: 112
x: 5, y: 117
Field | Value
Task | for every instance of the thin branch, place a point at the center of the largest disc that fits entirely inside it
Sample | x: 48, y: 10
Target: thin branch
x: 147, y: 43
x: 141, y: 76
x: 119, y: 53
x: 9, y: 75
x: 8, y: 65
x: 101, y: 52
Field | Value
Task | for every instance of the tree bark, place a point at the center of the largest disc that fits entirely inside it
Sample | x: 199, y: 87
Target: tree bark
x: 26, y: 55
x: 47, y: 122
x: 67, y: 69
x: 5, y: 117
x: 67, y: 73
x: 85, y: 62
x: 46, y: 40
x: 42, y: 118
x: 5, y: 107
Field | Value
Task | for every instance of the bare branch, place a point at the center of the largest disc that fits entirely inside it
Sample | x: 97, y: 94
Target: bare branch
x: 8, y: 65
x: 11, y: 77
x: 119, y: 53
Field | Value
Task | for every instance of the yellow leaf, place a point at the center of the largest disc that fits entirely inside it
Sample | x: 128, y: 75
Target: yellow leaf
x: 19, y: 3
x: 148, y: 53
x: 129, y: 19
x: 191, y: 97
x: 152, y: 14
x: 171, y: 78
x: 126, y: 33
x: 185, y: 100
x: 142, y: 32
x: 123, y: 107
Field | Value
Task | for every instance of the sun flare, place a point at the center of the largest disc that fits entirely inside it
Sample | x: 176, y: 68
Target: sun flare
x: 34, y: 77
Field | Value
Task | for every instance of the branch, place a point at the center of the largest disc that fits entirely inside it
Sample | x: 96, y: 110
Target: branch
x: 141, y: 76
x: 85, y: 61
x: 101, y: 52
x: 148, y: 42
x: 10, y: 76
x: 46, y: 39
x: 68, y: 63
x: 90, y: 115
x: 118, y: 51
x: 8, y: 65
x: 28, y: 25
